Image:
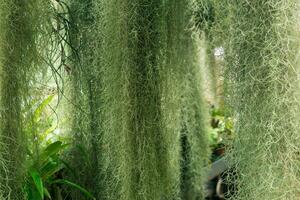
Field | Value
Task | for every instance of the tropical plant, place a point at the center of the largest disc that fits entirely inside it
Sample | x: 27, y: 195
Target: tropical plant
x: 44, y: 174
x: 221, y: 133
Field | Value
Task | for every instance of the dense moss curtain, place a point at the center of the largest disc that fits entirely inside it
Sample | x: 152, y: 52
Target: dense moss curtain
x: 19, y: 59
x: 130, y: 79
x: 85, y: 92
x: 263, y: 80
x: 136, y: 153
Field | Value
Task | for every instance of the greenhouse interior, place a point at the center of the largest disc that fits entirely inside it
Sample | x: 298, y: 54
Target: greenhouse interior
x: 149, y: 100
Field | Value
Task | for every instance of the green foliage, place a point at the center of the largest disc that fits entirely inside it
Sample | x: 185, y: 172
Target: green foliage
x: 221, y: 133
x: 39, y: 123
x: 74, y: 185
x: 41, y: 107
x: 42, y: 174
x: 263, y: 84
x: 38, y: 191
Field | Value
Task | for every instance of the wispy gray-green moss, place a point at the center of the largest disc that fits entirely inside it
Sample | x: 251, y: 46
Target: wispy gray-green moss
x: 137, y: 63
x: 131, y: 96
x: 194, y: 109
x: 263, y: 80
x: 211, y: 20
x: 147, y: 63
x: 20, y: 23
x: 85, y: 93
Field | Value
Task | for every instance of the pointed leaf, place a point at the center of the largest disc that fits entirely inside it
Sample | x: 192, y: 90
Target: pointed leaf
x: 47, y: 194
x: 38, y: 182
x: 66, y: 182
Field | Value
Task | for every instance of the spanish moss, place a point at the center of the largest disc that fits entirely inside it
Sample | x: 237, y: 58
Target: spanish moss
x: 263, y: 80
x: 19, y: 59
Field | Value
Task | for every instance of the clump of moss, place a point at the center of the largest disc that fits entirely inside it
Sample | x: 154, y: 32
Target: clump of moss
x: 194, y: 113
x: 85, y: 96
x: 19, y: 58
x: 129, y: 79
x: 141, y: 75
x: 211, y: 21
x: 263, y: 81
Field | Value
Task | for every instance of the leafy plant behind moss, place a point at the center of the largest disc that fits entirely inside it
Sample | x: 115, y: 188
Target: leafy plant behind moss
x: 43, y: 178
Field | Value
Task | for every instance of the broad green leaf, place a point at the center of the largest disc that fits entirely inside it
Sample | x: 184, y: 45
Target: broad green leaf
x: 54, y: 148
x: 37, y: 181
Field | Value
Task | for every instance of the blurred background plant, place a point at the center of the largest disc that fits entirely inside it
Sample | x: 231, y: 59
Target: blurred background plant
x: 221, y: 133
